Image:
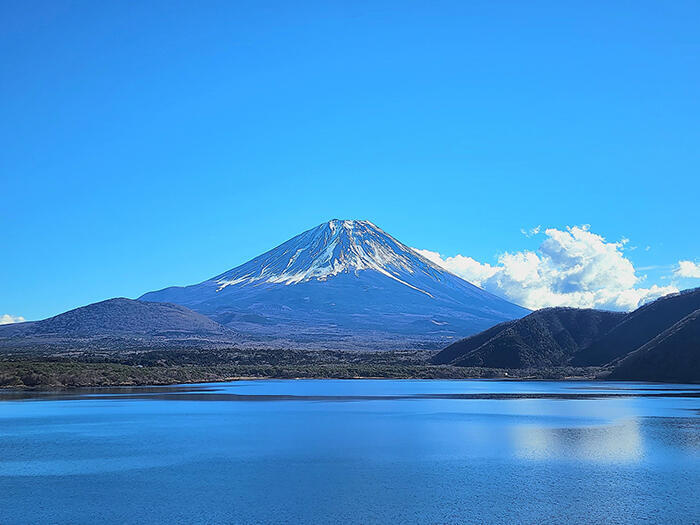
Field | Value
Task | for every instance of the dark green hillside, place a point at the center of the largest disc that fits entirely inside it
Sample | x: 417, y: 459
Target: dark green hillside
x: 673, y: 355
x: 548, y: 337
x: 464, y: 346
x: 639, y: 327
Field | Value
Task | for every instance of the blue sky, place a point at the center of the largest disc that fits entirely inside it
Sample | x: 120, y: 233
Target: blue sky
x: 159, y: 144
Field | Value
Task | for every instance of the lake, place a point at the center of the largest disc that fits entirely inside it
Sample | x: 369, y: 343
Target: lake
x: 353, y: 451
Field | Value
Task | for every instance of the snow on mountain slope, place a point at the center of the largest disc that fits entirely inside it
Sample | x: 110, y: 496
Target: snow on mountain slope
x: 344, y: 283
x: 328, y: 250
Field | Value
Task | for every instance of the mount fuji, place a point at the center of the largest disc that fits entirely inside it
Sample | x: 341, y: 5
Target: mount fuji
x: 343, y: 284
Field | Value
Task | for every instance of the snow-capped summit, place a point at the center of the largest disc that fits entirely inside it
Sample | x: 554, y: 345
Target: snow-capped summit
x: 332, y: 248
x: 344, y: 283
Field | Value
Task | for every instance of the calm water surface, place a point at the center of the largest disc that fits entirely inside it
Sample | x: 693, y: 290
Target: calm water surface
x: 327, y: 451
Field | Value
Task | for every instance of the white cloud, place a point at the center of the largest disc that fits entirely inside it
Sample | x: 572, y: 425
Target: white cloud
x: 462, y: 266
x: 688, y: 269
x: 572, y: 267
x: 9, y: 319
x: 532, y: 231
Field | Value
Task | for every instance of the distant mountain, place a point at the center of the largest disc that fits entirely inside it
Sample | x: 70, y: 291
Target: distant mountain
x: 659, y: 341
x: 673, y: 355
x: 118, y: 323
x: 461, y: 348
x: 344, y: 284
x: 638, y: 327
x: 545, y: 338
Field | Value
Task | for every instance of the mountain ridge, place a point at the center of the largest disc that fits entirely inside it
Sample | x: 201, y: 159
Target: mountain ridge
x: 339, y: 283
x: 658, y: 341
x: 546, y: 337
x: 673, y: 355
x: 118, y: 323
x: 639, y: 327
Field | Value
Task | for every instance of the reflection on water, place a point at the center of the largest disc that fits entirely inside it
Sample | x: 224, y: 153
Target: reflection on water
x: 614, y: 443
x: 354, y: 452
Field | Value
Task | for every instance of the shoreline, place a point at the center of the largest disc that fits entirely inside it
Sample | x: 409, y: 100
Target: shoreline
x: 10, y: 388
x: 58, y: 369
x: 49, y: 375
x: 200, y: 391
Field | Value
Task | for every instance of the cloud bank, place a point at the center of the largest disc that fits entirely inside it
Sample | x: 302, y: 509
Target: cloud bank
x: 687, y: 269
x: 572, y: 267
x: 9, y: 319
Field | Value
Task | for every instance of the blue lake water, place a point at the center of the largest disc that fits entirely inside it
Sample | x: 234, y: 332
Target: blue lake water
x: 361, y: 451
